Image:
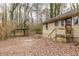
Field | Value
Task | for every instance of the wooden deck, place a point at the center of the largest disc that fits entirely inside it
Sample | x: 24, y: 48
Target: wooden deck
x: 22, y: 30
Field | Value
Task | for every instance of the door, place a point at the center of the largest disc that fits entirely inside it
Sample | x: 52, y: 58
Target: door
x: 68, y: 28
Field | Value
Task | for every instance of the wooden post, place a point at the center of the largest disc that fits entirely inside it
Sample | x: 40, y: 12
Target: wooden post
x: 24, y: 32
x: 56, y: 34
x: 14, y: 32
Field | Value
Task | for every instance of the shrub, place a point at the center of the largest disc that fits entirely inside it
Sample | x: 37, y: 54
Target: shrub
x: 8, y: 27
x: 38, y: 29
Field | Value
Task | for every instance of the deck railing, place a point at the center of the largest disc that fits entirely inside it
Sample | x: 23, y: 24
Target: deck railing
x: 55, y: 31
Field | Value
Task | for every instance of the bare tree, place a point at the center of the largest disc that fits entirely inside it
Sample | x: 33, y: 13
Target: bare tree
x: 54, y: 9
x: 74, y: 6
x: 31, y: 17
x: 4, y: 17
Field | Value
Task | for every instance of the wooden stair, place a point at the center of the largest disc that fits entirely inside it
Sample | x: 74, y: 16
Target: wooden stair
x: 61, y: 36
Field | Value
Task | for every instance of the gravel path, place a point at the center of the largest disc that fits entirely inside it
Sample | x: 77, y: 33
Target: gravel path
x: 30, y: 46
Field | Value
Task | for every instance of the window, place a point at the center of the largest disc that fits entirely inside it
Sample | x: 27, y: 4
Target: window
x: 62, y: 22
x: 75, y: 21
x: 47, y: 26
x: 56, y: 23
x: 68, y: 21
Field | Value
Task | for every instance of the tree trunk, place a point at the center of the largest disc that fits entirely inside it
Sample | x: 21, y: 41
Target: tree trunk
x: 31, y: 17
x: 51, y: 10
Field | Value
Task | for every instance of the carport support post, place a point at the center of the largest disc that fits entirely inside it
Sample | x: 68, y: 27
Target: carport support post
x: 56, y: 34
x: 24, y: 32
x: 14, y: 32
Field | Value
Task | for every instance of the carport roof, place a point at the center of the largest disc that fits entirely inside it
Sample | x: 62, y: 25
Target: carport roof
x: 63, y: 16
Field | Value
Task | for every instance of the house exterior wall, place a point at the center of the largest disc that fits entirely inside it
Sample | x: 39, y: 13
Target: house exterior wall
x: 76, y: 32
x: 51, y: 26
x: 0, y: 19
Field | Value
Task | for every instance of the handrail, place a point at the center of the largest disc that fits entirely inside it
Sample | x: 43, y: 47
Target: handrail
x: 55, y: 30
x: 61, y: 28
x: 52, y: 31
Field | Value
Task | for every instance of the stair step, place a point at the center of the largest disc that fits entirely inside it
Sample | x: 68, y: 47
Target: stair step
x: 64, y: 35
x: 60, y: 35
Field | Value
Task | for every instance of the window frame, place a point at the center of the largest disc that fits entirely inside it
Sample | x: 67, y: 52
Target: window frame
x: 56, y: 23
x: 46, y: 26
x: 75, y: 21
x: 62, y: 22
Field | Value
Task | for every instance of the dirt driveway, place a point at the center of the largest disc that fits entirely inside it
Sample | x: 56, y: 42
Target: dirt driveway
x: 30, y: 46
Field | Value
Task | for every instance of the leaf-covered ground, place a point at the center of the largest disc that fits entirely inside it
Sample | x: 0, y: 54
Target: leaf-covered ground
x: 32, y: 46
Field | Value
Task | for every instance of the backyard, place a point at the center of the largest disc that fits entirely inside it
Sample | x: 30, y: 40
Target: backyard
x: 24, y: 32
x: 36, y: 46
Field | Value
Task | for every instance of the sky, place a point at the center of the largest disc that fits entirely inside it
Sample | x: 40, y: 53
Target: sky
x: 34, y: 13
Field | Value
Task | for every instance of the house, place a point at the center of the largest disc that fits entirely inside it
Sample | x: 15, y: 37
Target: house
x: 1, y: 18
x: 63, y: 28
